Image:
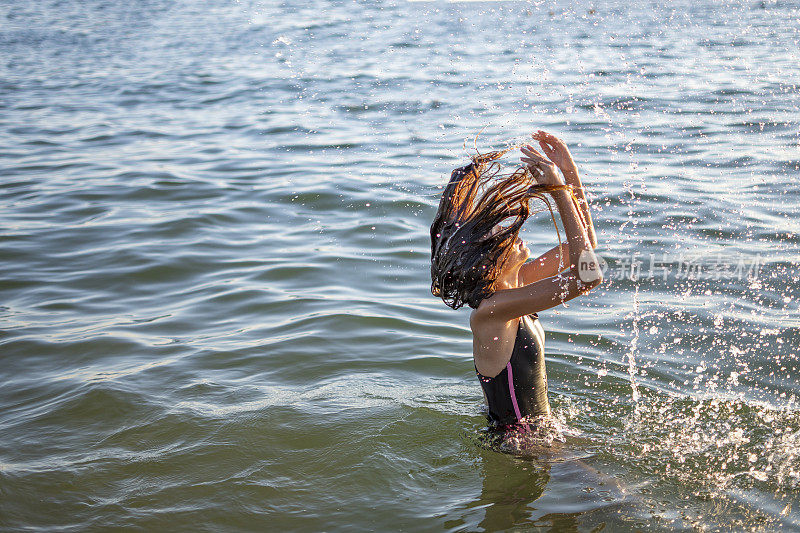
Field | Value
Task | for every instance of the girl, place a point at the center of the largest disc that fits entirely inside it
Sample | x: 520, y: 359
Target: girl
x: 477, y: 258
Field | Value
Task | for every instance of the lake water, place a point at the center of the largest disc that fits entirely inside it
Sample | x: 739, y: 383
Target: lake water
x: 215, y: 308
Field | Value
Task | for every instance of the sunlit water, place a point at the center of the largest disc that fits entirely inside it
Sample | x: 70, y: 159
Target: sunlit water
x: 215, y: 265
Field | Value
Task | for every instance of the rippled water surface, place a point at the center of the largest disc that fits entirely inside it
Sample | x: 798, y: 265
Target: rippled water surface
x: 214, y: 289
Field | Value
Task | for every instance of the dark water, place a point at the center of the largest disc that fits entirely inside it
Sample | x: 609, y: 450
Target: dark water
x: 215, y: 308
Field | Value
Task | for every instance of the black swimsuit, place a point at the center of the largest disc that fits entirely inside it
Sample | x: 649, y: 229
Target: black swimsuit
x: 520, y: 390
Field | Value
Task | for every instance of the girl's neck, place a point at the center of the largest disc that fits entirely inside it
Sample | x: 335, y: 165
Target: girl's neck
x: 509, y: 280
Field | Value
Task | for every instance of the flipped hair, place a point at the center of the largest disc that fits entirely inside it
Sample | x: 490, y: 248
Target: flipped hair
x: 466, y: 255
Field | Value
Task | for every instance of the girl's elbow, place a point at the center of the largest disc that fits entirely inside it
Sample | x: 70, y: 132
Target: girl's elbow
x: 586, y: 282
x: 588, y: 286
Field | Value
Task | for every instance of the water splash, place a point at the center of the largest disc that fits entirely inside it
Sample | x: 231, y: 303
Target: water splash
x: 537, y: 434
x: 632, y: 351
x: 719, y: 443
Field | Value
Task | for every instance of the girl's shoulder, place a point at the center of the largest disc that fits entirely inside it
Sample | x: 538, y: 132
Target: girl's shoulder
x: 492, y: 343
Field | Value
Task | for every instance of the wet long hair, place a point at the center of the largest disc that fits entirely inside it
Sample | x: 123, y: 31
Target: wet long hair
x: 467, y: 253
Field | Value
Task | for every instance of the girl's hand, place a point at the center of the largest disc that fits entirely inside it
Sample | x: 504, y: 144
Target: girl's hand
x: 556, y: 151
x: 543, y: 170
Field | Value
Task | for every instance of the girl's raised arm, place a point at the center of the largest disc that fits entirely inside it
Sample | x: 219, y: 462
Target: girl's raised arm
x: 556, y: 150
x: 509, y: 304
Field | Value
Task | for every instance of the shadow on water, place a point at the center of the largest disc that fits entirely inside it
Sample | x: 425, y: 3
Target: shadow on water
x: 549, y: 488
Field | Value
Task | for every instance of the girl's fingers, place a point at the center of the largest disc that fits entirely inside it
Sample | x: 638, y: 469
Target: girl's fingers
x: 535, y: 163
x: 544, y: 143
x: 536, y: 160
x: 535, y: 157
x: 547, y: 148
x: 548, y: 137
x: 530, y: 150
